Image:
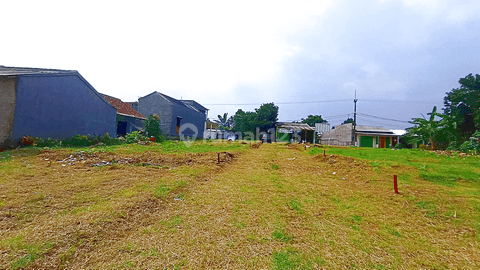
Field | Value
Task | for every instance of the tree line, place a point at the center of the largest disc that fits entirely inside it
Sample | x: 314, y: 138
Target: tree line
x: 458, y: 127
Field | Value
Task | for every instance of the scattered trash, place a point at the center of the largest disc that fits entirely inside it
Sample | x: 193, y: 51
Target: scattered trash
x: 290, y: 158
x: 103, y: 163
x: 334, y: 173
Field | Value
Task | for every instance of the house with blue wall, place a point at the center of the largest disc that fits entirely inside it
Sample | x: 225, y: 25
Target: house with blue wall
x: 177, y: 117
x: 51, y: 103
x: 128, y: 119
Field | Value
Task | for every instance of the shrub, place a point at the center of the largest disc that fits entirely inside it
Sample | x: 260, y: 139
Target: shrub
x: 153, y: 128
x: 78, y: 141
x: 48, y: 142
x: 453, y: 146
x: 135, y: 137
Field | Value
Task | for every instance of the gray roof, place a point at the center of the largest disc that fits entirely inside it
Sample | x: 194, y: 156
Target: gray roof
x: 14, y: 71
x: 195, y: 104
x: 294, y: 126
x: 191, y: 104
x: 366, y: 130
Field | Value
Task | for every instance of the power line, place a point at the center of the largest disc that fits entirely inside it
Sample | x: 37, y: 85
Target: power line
x: 383, y: 118
x: 324, y: 101
x: 377, y: 123
x: 281, y: 103
x: 400, y: 101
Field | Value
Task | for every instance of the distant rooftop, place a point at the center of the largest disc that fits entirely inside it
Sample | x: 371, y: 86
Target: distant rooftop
x: 123, y: 108
x: 294, y: 126
x: 13, y: 71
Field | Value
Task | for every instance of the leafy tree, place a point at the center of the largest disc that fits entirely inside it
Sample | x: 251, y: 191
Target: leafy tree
x: 224, y: 122
x: 264, y: 118
x: 152, y: 127
x: 349, y: 120
x: 267, y: 116
x: 463, y: 105
x: 311, y: 120
x: 244, y: 121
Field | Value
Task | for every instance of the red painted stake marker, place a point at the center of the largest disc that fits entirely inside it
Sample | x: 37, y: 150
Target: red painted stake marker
x: 395, y: 184
x: 324, y: 153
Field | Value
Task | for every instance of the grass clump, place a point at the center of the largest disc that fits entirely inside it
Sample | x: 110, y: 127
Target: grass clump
x: 281, y: 235
x: 294, y: 204
x: 286, y: 259
x: 27, y: 253
x: 162, y: 190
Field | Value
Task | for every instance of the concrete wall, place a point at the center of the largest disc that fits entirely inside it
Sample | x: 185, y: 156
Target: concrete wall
x: 59, y: 107
x: 193, y: 119
x: 156, y: 104
x: 7, y: 108
x: 341, y: 135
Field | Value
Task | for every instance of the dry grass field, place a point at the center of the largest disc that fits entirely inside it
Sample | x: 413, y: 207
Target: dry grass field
x: 274, y: 207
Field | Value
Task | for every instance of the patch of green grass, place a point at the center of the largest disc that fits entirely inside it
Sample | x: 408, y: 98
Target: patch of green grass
x: 174, y: 221
x: 275, y: 166
x: 294, y: 204
x: 280, y: 235
x: 430, y: 208
x: 5, y: 156
x: 129, y: 192
x: 29, y: 252
x: 69, y: 254
x: 442, y: 179
x: 440, y: 169
x: 392, y: 231
x: 286, y: 259
x: 162, y: 190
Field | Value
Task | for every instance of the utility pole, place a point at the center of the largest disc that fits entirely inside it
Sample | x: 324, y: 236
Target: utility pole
x: 355, y: 118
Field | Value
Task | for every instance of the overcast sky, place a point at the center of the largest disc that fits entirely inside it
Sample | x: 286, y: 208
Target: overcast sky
x: 309, y: 57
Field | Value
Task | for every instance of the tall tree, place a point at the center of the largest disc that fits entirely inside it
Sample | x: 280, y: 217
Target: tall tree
x: 311, y: 120
x: 267, y: 116
x: 463, y: 105
x: 264, y: 118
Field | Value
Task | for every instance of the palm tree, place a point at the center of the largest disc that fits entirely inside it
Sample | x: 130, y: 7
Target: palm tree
x: 224, y: 121
x: 426, y: 129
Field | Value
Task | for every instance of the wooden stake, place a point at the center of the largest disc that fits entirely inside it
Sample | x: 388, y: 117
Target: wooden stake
x: 395, y: 183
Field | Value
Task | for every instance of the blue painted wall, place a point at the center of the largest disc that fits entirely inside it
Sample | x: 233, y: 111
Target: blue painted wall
x: 189, y: 116
x: 60, y: 106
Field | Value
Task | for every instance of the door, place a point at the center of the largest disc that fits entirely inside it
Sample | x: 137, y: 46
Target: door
x: 382, y: 142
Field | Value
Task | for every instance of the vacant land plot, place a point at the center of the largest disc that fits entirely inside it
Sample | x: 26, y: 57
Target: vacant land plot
x: 226, y: 205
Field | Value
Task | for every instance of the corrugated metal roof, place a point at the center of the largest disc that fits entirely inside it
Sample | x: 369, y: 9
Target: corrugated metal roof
x: 123, y: 108
x: 294, y: 126
x: 14, y: 71
x: 372, y: 129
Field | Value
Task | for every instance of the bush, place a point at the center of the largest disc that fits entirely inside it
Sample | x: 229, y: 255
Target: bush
x: 135, y: 137
x: 467, y: 147
x: 153, y: 128
x: 78, y: 141
x: 48, y: 142
x: 453, y: 146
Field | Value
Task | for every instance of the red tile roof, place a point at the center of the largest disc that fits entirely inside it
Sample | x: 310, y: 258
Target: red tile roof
x: 123, y: 108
